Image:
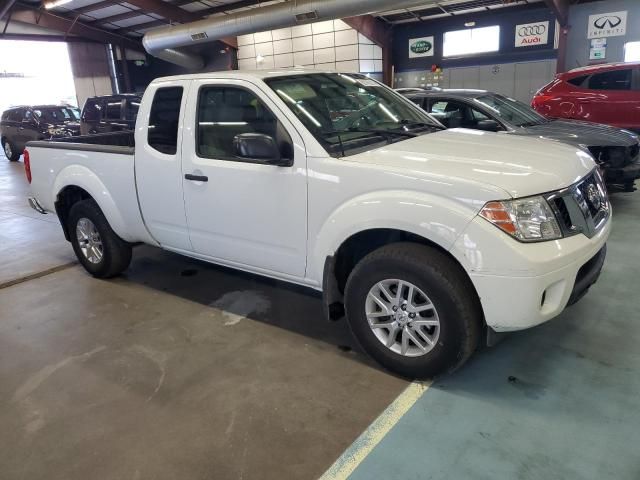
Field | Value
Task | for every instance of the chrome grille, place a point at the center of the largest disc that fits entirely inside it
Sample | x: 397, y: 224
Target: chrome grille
x: 583, y: 207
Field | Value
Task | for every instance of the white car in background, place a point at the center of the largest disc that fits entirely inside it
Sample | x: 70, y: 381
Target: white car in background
x: 423, y: 237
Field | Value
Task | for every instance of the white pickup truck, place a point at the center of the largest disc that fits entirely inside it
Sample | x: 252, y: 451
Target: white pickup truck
x: 424, y: 238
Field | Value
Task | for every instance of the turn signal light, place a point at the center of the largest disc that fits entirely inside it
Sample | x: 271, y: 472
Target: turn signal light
x: 27, y: 165
x: 497, y: 214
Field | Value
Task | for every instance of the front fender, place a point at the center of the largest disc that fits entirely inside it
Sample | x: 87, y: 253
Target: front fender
x: 82, y: 177
x: 437, y: 219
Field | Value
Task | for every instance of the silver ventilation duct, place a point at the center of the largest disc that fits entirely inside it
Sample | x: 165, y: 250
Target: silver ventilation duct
x: 166, y: 43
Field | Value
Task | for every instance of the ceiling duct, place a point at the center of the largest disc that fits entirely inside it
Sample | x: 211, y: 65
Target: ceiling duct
x: 167, y: 43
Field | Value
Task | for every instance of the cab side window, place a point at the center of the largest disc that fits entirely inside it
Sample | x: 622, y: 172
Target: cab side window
x: 92, y: 111
x: 224, y: 112
x: 613, y: 80
x: 114, y: 110
x: 164, y: 120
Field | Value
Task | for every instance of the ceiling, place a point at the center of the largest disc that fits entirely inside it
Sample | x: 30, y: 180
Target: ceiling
x: 125, y: 22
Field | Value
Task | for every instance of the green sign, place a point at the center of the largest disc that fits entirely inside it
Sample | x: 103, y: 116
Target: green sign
x: 421, y: 47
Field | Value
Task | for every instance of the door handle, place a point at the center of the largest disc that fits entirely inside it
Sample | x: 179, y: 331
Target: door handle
x: 196, y: 178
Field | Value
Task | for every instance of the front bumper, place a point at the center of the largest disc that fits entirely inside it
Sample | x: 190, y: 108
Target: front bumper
x: 522, y: 285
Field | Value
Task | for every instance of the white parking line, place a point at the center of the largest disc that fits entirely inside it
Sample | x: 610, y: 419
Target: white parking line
x: 367, y: 441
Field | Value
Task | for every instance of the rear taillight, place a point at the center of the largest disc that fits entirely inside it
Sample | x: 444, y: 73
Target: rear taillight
x: 539, y: 100
x: 27, y: 165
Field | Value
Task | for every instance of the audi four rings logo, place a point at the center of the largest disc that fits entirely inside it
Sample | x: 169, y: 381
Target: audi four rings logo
x: 608, y: 21
x: 532, y: 30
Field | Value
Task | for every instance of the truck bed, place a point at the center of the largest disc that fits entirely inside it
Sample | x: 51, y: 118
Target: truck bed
x: 113, y: 142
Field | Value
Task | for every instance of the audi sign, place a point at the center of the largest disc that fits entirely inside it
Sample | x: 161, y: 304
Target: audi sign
x: 613, y: 24
x: 529, y: 34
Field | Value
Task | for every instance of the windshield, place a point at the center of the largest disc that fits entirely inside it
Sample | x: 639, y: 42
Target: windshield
x: 350, y: 113
x: 55, y: 115
x: 512, y: 111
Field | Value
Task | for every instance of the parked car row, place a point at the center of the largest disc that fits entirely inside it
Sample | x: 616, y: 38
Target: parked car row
x: 21, y: 124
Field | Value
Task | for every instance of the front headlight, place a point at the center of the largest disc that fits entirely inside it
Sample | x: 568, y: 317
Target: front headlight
x: 526, y: 219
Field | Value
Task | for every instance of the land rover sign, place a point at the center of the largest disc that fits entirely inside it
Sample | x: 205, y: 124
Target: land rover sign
x: 421, y: 47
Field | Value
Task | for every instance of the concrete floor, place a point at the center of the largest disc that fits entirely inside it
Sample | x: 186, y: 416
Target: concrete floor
x: 179, y: 369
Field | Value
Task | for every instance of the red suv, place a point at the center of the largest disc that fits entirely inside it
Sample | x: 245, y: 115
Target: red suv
x: 607, y: 94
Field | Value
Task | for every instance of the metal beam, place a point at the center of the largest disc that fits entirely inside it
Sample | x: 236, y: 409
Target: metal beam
x: 95, y: 6
x: 68, y: 26
x: 5, y: 7
x: 166, y: 10
x: 560, y: 9
x: 119, y: 17
x: 173, y: 14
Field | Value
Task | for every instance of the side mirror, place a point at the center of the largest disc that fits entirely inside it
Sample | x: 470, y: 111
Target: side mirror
x: 488, y: 125
x: 260, y: 148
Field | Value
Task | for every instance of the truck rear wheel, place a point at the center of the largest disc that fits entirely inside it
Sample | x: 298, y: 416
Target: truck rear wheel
x: 10, y: 151
x: 413, y: 310
x: 99, y: 249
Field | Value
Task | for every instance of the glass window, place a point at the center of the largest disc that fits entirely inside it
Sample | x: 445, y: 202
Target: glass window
x: 164, y: 120
x: 451, y: 113
x: 632, y: 52
x: 471, y: 40
x: 511, y: 111
x: 349, y: 113
x: 16, y: 115
x: 131, y: 106
x: 578, y: 81
x: 92, y: 111
x: 53, y: 115
x: 114, y: 110
x: 223, y: 113
x: 612, y: 80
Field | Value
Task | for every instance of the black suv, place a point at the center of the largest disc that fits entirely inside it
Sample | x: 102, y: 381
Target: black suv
x: 110, y: 113
x: 20, y: 125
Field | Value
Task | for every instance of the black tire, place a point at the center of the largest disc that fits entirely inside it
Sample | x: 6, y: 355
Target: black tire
x: 116, y: 253
x: 13, y: 155
x: 444, y: 283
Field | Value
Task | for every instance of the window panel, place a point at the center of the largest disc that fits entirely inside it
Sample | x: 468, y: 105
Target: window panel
x: 613, y: 80
x: 632, y: 52
x: 471, y: 40
x: 164, y: 120
x: 223, y: 113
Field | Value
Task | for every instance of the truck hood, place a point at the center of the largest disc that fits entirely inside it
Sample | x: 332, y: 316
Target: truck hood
x: 519, y: 165
x: 577, y: 133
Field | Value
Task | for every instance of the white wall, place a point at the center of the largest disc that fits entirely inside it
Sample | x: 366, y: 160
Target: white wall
x: 90, y: 66
x: 325, y: 45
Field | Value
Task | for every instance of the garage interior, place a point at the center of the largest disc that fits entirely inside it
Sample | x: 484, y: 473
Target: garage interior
x: 182, y: 369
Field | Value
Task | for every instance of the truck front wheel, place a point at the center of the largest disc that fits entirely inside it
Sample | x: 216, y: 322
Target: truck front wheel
x: 413, y: 309
x: 99, y: 249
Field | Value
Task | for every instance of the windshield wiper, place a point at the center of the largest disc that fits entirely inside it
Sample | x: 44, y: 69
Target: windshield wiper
x: 410, y: 123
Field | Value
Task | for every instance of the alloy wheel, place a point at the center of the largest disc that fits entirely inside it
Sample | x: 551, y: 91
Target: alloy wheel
x: 402, y: 317
x: 89, y: 240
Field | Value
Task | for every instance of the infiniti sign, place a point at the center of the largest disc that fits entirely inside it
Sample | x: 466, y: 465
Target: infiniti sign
x: 611, y: 24
x: 610, y: 21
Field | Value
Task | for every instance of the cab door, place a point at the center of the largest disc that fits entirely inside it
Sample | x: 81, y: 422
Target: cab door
x: 158, y: 169
x: 240, y: 211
